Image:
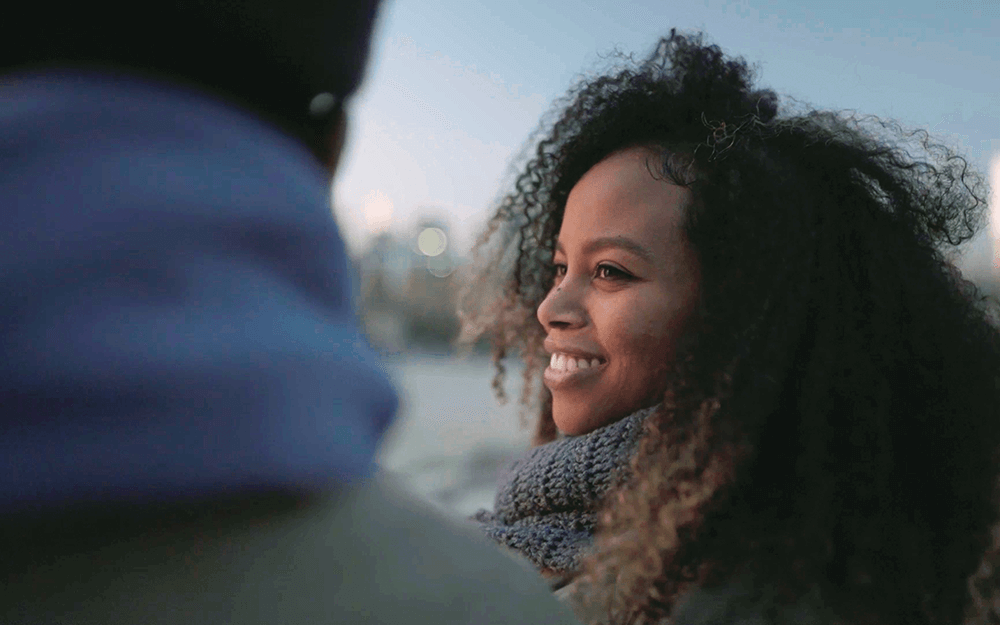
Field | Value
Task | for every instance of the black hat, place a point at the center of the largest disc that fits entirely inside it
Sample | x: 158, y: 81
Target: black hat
x: 274, y: 55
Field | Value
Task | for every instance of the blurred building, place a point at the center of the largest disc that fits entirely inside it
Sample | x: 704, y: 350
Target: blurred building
x: 408, y: 290
x: 382, y: 270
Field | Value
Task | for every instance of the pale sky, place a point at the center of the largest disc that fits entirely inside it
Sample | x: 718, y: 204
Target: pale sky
x: 454, y: 87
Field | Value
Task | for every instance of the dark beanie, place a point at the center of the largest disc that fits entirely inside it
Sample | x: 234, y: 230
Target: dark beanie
x: 272, y: 55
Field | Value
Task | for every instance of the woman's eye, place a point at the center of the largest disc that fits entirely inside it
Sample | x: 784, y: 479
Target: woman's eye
x: 604, y: 272
x: 609, y: 272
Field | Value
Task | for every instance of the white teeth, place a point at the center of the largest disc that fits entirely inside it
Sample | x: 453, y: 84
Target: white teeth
x: 562, y: 362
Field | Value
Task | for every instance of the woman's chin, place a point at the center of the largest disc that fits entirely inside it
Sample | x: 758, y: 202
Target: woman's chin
x: 574, y: 423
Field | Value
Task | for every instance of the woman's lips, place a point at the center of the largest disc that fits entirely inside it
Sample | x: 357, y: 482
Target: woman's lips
x: 564, y: 371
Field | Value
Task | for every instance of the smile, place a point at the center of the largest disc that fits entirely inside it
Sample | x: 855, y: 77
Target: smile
x: 566, y: 370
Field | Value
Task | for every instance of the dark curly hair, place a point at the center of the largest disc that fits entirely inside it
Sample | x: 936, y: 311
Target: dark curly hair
x: 831, y: 416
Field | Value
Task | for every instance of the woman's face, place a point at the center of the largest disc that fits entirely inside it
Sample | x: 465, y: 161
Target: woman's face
x: 626, y: 281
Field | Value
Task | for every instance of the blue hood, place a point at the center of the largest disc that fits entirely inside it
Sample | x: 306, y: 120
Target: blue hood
x: 176, y: 312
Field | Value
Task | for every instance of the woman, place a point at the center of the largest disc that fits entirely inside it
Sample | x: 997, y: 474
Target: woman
x: 780, y: 398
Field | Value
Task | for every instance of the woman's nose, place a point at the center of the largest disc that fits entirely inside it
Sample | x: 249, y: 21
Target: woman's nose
x: 561, y: 308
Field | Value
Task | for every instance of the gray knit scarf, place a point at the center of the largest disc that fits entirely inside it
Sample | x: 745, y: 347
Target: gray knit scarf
x: 547, y: 500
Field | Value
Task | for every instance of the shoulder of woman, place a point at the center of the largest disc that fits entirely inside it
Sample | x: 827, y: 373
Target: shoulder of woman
x: 741, y: 601
x: 738, y: 602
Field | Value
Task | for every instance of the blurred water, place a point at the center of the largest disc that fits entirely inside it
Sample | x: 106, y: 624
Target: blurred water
x: 451, y: 437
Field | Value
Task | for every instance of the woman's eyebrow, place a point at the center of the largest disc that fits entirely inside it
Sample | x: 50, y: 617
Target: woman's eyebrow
x: 602, y: 243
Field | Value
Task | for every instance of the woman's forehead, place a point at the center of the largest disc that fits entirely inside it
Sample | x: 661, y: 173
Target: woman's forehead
x: 620, y: 197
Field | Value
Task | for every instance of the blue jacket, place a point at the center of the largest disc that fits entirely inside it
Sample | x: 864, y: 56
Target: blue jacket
x: 175, y: 302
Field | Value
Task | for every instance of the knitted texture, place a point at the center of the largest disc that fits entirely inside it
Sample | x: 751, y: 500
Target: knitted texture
x: 547, y: 500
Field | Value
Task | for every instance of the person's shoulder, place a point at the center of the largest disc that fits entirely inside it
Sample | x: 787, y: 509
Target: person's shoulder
x: 745, y: 601
x: 737, y: 602
x: 368, y: 553
x: 420, y: 557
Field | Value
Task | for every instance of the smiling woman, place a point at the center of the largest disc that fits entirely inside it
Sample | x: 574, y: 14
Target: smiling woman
x: 778, y: 401
x: 625, y: 283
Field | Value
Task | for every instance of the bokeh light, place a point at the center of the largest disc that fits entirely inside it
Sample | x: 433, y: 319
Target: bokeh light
x: 378, y: 210
x: 432, y: 241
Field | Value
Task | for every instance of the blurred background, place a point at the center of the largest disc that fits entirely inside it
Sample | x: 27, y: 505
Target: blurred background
x: 455, y: 88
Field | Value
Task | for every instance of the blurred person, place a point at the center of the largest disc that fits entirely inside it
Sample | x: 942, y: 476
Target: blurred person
x: 189, y: 412
x: 767, y: 394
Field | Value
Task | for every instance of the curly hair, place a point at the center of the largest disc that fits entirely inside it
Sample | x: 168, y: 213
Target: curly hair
x: 831, y: 415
